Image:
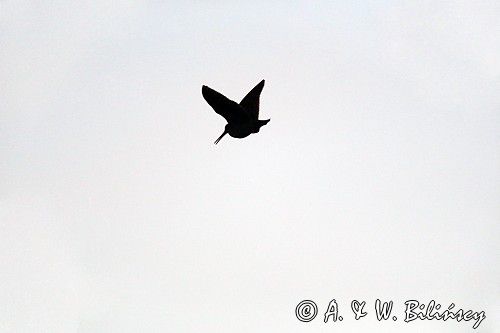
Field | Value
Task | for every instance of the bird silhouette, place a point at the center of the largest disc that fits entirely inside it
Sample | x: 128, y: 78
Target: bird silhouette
x: 243, y: 118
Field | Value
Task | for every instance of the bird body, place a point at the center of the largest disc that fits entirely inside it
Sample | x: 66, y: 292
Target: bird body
x: 242, y: 118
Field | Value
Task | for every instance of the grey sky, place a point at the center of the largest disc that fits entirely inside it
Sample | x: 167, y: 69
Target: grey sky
x: 377, y: 177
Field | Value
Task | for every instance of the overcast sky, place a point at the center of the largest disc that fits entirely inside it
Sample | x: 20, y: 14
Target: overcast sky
x: 377, y: 177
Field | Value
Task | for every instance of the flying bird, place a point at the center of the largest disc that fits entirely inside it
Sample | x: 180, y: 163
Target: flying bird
x: 243, y: 118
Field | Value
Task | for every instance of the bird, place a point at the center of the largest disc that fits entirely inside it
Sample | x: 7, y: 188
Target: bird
x: 243, y: 118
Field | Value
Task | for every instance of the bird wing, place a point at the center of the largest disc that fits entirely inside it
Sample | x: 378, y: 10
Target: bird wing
x: 251, y: 101
x: 227, y: 108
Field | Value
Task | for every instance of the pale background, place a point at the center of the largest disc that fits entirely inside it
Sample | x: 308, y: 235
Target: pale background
x: 377, y: 177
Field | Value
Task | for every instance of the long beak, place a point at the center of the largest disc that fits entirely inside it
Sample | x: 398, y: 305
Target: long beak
x: 220, y: 137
